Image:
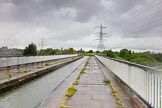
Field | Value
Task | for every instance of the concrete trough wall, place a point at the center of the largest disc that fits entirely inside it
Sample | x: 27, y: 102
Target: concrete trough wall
x: 33, y: 62
x: 16, y: 61
x: 18, y: 81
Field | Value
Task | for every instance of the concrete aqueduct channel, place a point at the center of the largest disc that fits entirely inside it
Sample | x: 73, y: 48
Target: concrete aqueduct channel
x: 72, y: 82
x: 17, y: 75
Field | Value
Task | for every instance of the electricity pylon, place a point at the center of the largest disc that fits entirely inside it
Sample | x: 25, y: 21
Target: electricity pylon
x: 42, y: 43
x: 101, y: 46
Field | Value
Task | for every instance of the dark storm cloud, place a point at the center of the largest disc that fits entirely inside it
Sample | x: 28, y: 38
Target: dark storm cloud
x: 25, y: 10
x: 123, y: 6
x: 129, y: 22
x: 137, y: 18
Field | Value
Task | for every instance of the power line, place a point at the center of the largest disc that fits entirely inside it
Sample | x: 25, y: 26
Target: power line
x: 145, y: 26
x: 137, y: 14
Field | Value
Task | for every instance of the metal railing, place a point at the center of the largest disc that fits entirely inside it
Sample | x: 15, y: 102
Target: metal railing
x: 145, y: 81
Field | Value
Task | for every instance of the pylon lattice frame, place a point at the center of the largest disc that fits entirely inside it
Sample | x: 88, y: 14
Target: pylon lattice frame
x: 101, y: 46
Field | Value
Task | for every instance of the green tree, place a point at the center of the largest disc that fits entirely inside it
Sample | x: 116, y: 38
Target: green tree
x: 71, y: 51
x: 97, y: 51
x: 110, y: 53
x: 30, y: 50
x: 90, y: 51
x: 48, y: 51
x: 124, y: 53
x: 65, y: 51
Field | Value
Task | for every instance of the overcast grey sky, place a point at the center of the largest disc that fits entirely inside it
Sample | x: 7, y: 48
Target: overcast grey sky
x: 132, y: 24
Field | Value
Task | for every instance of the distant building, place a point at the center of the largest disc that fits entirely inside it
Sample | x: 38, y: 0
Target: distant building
x: 5, y: 52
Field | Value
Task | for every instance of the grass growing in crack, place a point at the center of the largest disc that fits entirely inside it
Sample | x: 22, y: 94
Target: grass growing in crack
x: 114, y: 93
x: 21, y: 79
x: 6, y: 76
x: 70, y: 92
x: 83, y: 70
x: 47, y: 64
x: 63, y: 105
x: 87, y: 63
x: 118, y: 100
x: 23, y: 71
x: 40, y: 67
x: 106, y: 81
x: 78, y: 78
x: 76, y: 82
x: 9, y: 75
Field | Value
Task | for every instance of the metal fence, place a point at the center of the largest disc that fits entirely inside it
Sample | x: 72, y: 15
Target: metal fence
x: 145, y: 81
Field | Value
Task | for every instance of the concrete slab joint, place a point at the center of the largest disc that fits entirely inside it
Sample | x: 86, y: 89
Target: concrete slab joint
x: 94, y: 90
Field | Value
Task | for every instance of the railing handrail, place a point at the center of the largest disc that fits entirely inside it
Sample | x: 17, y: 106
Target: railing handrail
x: 145, y: 81
x: 135, y: 64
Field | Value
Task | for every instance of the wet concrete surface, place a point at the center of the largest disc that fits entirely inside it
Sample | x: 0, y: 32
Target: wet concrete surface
x: 23, y: 70
x: 10, y: 61
x: 34, y: 93
x: 56, y: 96
x: 49, y: 90
x: 91, y: 91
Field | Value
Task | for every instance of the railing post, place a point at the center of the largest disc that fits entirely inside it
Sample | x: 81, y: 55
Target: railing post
x: 150, y: 90
x: 155, y: 99
x: 145, y: 85
x: 158, y: 90
x: 153, y: 89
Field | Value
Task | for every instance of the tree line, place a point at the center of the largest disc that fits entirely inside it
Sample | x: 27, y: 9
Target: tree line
x: 145, y: 58
x: 31, y: 50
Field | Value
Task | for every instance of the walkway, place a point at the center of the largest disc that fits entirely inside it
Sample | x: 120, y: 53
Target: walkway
x: 92, y: 92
